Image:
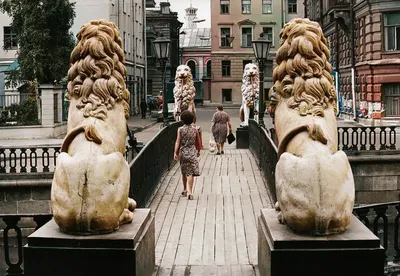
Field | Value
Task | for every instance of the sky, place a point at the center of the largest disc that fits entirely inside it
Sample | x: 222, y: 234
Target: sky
x: 203, y: 11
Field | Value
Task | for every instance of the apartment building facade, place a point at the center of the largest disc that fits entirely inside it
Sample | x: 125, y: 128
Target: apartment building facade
x: 234, y: 24
x: 128, y: 15
x: 364, y: 39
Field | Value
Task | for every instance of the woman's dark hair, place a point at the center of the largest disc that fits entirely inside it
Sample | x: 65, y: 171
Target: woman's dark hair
x: 187, y: 117
x: 220, y: 107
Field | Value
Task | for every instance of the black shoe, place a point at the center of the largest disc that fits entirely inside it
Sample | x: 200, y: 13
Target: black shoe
x: 218, y: 153
x: 222, y: 152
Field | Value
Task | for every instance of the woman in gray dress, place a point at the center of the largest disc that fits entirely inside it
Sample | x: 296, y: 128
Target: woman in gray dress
x: 220, y: 125
x: 187, y: 152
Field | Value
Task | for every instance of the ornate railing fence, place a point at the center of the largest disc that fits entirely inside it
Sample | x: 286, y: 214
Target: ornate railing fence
x: 371, y: 138
x: 36, y: 159
x: 153, y: 160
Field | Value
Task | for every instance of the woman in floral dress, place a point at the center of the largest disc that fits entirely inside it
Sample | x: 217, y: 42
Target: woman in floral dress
x: 187, y: 151
x: 220, y: 125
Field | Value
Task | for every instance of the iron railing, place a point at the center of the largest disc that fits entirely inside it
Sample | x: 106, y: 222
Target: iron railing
x: 263, y: 147
x: 369, y: 138
x: 153, y: 160
x: 36, y: 159
x: 383, y: 220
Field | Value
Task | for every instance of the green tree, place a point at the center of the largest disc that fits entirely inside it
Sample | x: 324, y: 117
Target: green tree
x: 45, y: 42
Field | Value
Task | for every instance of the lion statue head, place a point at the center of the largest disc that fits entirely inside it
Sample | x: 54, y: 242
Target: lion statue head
x: 96, y: 78
x: 302, y: 75
x: 250, y: 84
x: 184, y: 90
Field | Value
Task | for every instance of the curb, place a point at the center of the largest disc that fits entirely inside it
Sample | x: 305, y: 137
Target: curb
x: 135, y: 129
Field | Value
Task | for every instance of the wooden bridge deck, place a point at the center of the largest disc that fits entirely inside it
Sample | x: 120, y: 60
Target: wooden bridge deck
x: 216, y: 232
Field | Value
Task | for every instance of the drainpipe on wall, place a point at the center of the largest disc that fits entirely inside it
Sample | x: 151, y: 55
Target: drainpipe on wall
x: 353, y: 74
x: 283, y: 3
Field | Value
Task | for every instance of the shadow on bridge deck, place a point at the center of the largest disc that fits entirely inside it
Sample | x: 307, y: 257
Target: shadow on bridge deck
x: 216, y: 232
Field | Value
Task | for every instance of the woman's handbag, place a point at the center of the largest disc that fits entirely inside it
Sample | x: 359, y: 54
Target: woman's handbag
x: 231, y: 138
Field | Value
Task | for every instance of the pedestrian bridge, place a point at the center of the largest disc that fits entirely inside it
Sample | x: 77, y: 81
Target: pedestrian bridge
x: 216, y: 232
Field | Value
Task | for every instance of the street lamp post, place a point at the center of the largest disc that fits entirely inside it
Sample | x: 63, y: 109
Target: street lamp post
x: 261, y: 48
x: 162, y: 46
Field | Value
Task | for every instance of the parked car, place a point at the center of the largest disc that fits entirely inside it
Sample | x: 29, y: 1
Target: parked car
x: 171, y: 107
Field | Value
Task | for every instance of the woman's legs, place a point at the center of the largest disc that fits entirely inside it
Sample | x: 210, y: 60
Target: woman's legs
x: 218, y: 147
x: 184, y: 182
x: 190, y: 186
x: 222, y: 147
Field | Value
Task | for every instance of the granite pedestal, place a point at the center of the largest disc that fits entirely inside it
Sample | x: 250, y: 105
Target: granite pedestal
x: 128, y: 251
x: 242, y: 137
x: 282, y: 252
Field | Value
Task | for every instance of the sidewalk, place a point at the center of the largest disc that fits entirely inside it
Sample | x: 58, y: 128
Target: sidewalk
x: 135, y: 123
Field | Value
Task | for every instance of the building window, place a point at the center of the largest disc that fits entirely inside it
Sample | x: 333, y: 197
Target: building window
x: 266, y: 6
x: 246, y: 61
x: 226, y: 68
x: 224, y: 6
x: 192, y: 66
x: 392, y: 31
x: 268, y: 33
x: 225, y: 35
x: 10, y: 39
x: 208, y: 73
x: 247, y: 36
x: 226, y: 95
x: 292, y: 6
x: 246, y: 6
x: 392, y: 99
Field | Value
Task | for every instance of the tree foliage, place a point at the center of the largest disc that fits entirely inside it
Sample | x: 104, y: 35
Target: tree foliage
x: 45, y: 42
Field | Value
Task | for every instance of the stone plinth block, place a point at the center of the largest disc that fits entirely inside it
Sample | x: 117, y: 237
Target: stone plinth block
x: 242, y: 138
x: 128, y: 251
x: 282, y: 252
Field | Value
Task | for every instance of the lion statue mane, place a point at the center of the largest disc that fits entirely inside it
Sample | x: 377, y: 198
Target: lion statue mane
x: 250, y: 93
x: 314, y: 181
x: 184, y: 91
x: 91, y: 181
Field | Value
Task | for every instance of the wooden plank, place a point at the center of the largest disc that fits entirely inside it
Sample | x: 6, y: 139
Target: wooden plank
x: 241, y: 244
x: 217, y: 167
x: 172, y: 186
x: 196, y: 249
x: 224, y: 165
x: 224, y: 270
x: 239, y: 165
x: 252, y: 184
x: 213, y: 164
x: 235, y: 185
x: 253, y: 163
x: 250, y: 228
x: 161, y: 214
x: 174, y: 234
x: 183, y: 250
x: 198, y: 185
x: 246, y: 164
x: 219, y: 231
x: 166, y: 227
x: 209, y: 232
x: 226, y: 186
x: 236, y: 270
x: 232, y: 166
x: 247, y: 270
x: 257, y: 204
x: 207, y: 184
x: 244, y: 186
x: 179, y: 270
x: 196, y: 270
x: 216, y: 185
x: 164, y: 271
x: 231, y: 256
x: 210, y: 270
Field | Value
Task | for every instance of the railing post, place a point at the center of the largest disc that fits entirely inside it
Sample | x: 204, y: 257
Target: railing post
x: 13, y: 269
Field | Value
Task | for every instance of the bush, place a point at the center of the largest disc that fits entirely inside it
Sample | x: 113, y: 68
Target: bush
x: 25, y: 113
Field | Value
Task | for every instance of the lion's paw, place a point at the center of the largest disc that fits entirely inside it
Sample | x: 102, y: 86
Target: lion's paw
x: 281, y: 218
x: 277, y: 206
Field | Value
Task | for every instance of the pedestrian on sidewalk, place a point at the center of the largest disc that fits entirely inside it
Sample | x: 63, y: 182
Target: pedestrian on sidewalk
x: 220, y: 124
x: 187, y: 151
x: 143, y: 108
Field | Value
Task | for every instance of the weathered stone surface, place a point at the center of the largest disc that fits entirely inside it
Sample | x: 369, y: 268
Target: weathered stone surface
x: 8, y: 207
x: 31, y: 206
x: 91, y: 181
x: 250, y: 93
x: 41, y: 193
x: 314, y: 181
x: 17, y: 193
x: 184, y: 91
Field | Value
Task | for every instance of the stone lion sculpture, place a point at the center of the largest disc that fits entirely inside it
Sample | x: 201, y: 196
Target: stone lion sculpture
x: 91, y: 181
x: 184, y: 91
x: 314, y: 181
x: 250, y: 93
